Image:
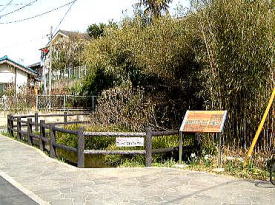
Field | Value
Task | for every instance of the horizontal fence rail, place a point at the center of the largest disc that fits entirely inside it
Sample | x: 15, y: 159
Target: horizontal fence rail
x: 114, y: 152
x: 165, y: 133
x: 37, y: 132
x: 115, y: 134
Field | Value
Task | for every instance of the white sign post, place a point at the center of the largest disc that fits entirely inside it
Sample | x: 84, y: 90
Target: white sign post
x: 129, y: 141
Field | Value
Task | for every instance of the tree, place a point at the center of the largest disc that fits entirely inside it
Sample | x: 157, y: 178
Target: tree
x: 95, y: 30
x: 155, y: 8
x: 67, y: 53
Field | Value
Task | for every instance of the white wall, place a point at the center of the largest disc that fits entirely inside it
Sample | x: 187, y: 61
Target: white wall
x: 21, y: 79
x: 8, y: 75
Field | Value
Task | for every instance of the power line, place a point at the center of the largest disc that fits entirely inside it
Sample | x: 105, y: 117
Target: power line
x: 64, y: 16
x: 12, y: 4
x: 28, y: 4
x: 6, y: 5
x: 38, y: 15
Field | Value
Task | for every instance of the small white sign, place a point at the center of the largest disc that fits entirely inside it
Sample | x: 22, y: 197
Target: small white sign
x: 129, y: 141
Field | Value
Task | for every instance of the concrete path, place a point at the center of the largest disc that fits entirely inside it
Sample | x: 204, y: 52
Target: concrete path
x: 49, y: 180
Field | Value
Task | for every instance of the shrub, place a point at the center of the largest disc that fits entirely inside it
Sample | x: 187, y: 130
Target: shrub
x: 124, y: 107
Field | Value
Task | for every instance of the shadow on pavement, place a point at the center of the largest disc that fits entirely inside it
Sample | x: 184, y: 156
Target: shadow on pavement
x: 264, y: 184
x: 10, y: 195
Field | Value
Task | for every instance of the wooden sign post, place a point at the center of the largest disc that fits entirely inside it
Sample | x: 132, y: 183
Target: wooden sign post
x: 202, y: 122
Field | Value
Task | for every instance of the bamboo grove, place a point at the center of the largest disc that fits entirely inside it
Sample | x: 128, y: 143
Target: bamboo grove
x: 218, y: 55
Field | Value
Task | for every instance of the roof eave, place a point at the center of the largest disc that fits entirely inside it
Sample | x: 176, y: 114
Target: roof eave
x: 18, y: 67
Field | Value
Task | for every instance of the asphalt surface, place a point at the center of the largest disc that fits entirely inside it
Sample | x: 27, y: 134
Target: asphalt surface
x: 10, y: 195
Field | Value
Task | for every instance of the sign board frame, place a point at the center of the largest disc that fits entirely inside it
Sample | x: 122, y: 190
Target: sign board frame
x: 203, y: 121
x: 209, y: 121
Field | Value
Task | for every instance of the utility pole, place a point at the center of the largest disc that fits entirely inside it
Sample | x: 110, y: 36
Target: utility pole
x: 50, y: 63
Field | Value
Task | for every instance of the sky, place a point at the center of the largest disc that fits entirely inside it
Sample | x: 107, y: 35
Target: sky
x: 21, y: 41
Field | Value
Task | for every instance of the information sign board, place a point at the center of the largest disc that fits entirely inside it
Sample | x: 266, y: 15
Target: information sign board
x: 129, y: 141
x: 203, y: 121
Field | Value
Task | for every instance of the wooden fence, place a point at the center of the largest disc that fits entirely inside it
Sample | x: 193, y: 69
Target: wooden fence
x: 45, y: 135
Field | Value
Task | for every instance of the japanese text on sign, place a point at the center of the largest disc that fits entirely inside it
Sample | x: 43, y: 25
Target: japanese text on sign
x: 203, y: 121
x: 129, y: 141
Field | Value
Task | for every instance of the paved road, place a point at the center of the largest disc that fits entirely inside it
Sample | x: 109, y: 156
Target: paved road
x: 10, y: 195
x: 58, y: 183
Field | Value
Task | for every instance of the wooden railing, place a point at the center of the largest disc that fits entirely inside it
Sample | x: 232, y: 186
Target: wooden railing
x: 45, y: 136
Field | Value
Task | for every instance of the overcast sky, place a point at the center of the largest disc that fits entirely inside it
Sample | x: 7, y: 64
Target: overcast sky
x: 21, y: 41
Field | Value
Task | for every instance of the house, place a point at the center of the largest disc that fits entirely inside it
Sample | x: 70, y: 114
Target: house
x: 15, y: 74
x: 56, y: 66
x: 38, y: 68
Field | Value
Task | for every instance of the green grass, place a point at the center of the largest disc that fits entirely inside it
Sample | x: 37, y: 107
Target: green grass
x: 233, y: 167
x: 5, y: 133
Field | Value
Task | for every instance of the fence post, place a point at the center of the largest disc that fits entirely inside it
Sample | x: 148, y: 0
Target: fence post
x: 220, y: 150
x: 65, y: 118
x: 36, y: 102
x: 93, y: 103
x: 148, y: 147
x: 79, y: 72
x: 52, y: 142
x: 42, y: 135
x: 19, y: 135
x: 36, y: 121
x: 11, y: 125
x: 80, y: 149
x: 8, y: 124
x: 180, y: 146
x: 64, y: 102
x: 29, y: 131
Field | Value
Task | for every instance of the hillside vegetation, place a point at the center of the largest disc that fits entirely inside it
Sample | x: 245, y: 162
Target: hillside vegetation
x: 219, y: 55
